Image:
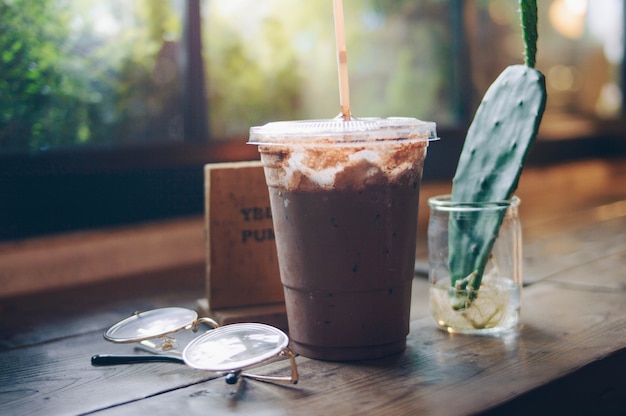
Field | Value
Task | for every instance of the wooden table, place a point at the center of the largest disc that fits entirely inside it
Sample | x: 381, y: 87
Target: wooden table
x: 569, y: 357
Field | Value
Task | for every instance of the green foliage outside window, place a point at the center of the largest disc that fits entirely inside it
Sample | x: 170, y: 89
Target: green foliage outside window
x: 104, y: 73
x: 65, y: 83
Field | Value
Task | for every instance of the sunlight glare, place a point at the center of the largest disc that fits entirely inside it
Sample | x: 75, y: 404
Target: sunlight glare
x: 604, y: 21
x: 568, y: 17
x: 104, y: 22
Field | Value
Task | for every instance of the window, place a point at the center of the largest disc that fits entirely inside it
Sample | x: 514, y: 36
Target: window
x: 81, y: 73
x: 109, y: 109
x: 580, y: 50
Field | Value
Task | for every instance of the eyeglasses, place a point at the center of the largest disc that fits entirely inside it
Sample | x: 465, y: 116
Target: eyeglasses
x: 226, y: 350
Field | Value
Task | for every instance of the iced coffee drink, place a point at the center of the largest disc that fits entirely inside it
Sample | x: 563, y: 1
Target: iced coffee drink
x: 344, y: 198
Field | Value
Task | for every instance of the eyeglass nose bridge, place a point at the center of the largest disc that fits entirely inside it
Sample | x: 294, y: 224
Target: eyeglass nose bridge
x: 168, y: 343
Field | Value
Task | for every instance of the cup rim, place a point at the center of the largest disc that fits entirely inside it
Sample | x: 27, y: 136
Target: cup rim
x: 444, y: 203
x: 338, y: 131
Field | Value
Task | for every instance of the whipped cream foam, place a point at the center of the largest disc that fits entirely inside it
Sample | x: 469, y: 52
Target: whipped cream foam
x: 337, y: 154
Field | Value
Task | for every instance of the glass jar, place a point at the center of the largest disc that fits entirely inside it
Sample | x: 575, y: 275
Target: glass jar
x: 475, y: 265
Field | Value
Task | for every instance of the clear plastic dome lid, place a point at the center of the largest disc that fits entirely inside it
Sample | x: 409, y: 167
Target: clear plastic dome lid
x: 337, y: 129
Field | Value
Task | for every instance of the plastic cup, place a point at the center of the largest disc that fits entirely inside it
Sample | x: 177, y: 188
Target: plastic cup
x: 344, y: 198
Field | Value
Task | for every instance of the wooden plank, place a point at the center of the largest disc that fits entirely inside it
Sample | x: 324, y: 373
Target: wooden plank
x: 564, y: 330
x: 55, y: 314
x: 59, y: 378
x: 439, y: 373
x: 605, y: 274
x: 555, y: 193
x: 62, y: 261
x: 591, y: 240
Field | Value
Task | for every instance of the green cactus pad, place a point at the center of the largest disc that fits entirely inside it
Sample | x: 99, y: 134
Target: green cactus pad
x: 491, y: 162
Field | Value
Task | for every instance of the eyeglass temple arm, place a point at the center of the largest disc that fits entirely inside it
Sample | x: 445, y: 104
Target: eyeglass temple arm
x: 293, y: 379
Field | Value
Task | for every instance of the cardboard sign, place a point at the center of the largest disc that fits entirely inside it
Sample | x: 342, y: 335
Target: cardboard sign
x: 243, y: 281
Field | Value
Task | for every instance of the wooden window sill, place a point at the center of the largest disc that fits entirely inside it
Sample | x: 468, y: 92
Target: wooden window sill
x: 56, y: 262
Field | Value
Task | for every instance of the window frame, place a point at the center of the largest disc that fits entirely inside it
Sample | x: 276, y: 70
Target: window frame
x: 168, y: 178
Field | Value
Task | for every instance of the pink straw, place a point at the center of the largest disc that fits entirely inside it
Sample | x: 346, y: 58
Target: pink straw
x: 342, y: 60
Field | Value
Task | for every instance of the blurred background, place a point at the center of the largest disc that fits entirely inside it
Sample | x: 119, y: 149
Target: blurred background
x: 109, y: 109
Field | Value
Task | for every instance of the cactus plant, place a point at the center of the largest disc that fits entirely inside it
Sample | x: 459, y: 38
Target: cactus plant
x: 491, y: 162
